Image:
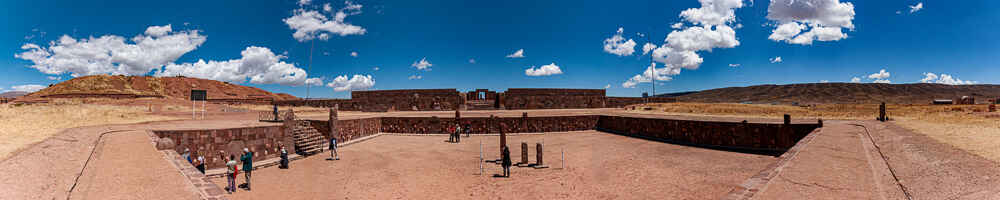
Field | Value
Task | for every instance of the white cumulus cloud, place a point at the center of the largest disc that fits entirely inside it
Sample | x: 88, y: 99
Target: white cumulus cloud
x: 776, y: 59
x: 354, y: 54
x: 314, y: 81
x: 734, y: 65
x: 918, y: 7
x: 304, y: 2
x: 422, y: 64
x: 803, y: 21
x: 517, y: 54
x: 258, y: 64
x: 711, y: 30
x: 607, y: 86
x: 112, y: 54
x: 661, y: 74
x: 647, y: 47
x: 357, y: 82
x: 855, y: 80
x: 545, y: 70
x: 881, y: 76
x: 27, y: 88
x: 311, y: 24
x: 944, y: 79
x: 415, y: 77
x: 54, y: 78
x: 617, y: 44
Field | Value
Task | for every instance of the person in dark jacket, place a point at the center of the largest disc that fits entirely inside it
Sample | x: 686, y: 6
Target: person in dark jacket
x: 283, y: 164
x: 247, y: 160
x: 506, y: 161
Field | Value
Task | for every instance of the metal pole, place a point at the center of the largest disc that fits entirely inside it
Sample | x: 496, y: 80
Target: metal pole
x: 311, y: 45
x: 480, y: 156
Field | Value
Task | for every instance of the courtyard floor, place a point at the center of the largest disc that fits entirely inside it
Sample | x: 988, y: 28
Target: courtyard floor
x: 597, y: 166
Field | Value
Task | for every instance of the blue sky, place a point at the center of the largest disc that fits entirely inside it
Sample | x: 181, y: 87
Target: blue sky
x: 957, y: 39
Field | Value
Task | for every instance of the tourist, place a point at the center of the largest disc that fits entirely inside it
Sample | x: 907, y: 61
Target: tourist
x: 247, y: 160
x: 451, y: 134
x: 506, y: 161
x: 458, y: 133
x: 467, y: 130
x: 187, y: 155
x: 333, y: 149
x: 201, y: 164
x: 283, y: 164
x: 230, y: 172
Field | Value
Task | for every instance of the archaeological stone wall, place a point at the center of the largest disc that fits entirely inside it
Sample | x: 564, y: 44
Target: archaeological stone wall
x: 342, y: 104
x: 408, y: 100
x: 262, y: 140
x: 348, y: 130
x: 619, y: 102
x: 486, y: 125
x: 725, y: 135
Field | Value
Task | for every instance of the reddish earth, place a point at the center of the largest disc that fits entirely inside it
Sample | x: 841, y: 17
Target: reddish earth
x: 169, y: 87
x: 598, y: 166
x: 128, y: 159
x: 840, y: 162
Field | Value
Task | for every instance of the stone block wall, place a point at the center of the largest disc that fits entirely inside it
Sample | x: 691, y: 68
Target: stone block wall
x: 408, y: 100
x: 725, y: 135
x: 620, y: 102
x: 262, y: 140
x: 348, y: 130
x: 484, y: 125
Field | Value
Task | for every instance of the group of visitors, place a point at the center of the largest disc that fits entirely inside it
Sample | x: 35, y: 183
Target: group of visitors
x: 232, y: 171
x: 198, y: 163
x: 454, y: 133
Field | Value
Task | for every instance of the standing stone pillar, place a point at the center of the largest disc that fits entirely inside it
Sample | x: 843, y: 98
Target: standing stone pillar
x: 524, y: 153
x: 538, y: 157
x: 333, y: 125
x: 785, y: 133
x: 881, y: 112
x: 503, y: 141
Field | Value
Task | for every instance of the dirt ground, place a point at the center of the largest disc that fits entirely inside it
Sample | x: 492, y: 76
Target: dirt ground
x: 126, y: 166
x: 597, y: 166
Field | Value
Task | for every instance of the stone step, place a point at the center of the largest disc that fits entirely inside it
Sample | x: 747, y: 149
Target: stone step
x: 310, y: 142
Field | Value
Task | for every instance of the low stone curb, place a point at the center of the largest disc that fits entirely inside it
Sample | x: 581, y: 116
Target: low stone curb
x: 756, y: 183
x: 206, y: 189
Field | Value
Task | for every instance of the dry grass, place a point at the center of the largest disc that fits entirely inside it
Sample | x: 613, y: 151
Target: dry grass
x: 21, y: 126
x: 963, y: 126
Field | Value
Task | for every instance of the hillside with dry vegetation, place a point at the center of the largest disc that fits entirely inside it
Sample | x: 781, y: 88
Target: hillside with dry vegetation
x: 843, y: 93
x: 147, y: 86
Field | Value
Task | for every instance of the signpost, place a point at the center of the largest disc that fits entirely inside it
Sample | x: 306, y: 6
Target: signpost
x: 198, y: 95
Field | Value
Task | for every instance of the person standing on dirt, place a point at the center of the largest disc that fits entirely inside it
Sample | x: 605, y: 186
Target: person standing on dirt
x: 333, y: 149
x: 230, y: 172
x: 247, y: 160
x: 458, y: 133
x: 505, y: 157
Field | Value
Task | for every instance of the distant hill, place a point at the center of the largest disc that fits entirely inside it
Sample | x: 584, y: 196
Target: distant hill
x: 824, y: 93
x: 168, y: 87
x: 12, y: 94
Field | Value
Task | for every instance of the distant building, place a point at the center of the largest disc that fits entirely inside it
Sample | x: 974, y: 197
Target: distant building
x: 943, y: 102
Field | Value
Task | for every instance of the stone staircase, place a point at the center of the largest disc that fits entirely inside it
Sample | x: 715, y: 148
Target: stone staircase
x: 308, y: 140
